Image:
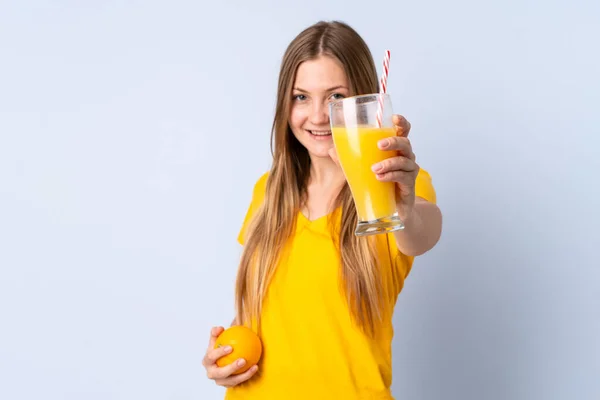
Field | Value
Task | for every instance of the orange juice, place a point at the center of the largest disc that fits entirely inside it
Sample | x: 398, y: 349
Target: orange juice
x: 357, y: 150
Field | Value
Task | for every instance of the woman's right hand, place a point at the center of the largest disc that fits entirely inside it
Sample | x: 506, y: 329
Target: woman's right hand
x: 223, y: 375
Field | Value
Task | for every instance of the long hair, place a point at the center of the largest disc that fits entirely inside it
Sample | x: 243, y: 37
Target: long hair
x: 274, y: 222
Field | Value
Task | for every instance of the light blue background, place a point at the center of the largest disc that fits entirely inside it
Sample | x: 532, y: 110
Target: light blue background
x: 131, y: 134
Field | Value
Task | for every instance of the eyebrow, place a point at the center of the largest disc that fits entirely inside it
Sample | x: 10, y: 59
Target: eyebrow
x: 327, y: 90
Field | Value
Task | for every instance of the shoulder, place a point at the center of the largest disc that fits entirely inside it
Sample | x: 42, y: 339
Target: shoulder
x: 424, y: 174
x: 262, y: 181
x: 258, y: 195
x: 424, y: 186
x: 260, y: 186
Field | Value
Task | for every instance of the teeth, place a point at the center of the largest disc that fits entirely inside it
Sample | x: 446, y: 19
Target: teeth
x: 321, y: 133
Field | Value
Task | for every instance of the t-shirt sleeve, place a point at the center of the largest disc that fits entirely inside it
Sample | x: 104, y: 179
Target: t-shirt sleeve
x: 424, y: 189
x: 258, y: 194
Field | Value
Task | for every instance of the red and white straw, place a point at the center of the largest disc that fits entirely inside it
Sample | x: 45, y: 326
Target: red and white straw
x: 383, y: 87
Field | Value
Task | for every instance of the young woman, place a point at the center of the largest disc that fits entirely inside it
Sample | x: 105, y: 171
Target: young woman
x: 320, y: 297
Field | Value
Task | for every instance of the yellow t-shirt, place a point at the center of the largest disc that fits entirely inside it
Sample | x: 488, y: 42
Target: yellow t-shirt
x: 312, y: 350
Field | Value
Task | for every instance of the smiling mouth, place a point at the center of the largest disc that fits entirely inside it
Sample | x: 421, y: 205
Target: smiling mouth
x: 319, y: 133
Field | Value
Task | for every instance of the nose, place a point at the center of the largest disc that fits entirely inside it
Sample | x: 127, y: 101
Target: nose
x: 320, y: 113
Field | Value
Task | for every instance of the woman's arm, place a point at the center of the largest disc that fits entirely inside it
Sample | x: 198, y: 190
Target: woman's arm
x: 422, y: 229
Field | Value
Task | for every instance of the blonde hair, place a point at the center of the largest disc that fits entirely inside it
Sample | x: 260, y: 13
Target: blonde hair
x: 274, y: 222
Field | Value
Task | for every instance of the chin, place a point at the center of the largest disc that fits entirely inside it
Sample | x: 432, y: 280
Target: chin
x: 319, y: 150
x: 319, y: 154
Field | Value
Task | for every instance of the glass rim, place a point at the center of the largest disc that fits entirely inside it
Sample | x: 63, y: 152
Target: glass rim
x: 339, y: 102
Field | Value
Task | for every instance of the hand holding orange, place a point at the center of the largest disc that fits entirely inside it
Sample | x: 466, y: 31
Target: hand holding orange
x: 245, y: 344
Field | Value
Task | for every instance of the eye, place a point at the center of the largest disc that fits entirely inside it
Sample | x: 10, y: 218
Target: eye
x: 299, y: 97
x: 337, y: 96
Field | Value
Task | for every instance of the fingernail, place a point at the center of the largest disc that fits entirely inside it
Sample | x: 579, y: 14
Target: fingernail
x: 384, y: 143
x: 241, y: 362
x: 376, y: 167
x: 227, y: 349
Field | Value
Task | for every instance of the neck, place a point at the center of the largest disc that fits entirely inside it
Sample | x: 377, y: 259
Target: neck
x: 325, y: 172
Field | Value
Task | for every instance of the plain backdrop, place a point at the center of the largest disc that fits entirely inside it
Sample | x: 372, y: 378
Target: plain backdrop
x: 132, y: 132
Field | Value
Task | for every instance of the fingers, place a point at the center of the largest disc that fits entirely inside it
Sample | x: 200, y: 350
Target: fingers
x: 403, y: 168
x: 394, y: 164
x: 397, y: 143
x: 404, y: 178
x: 224, y: 375
x: 217, y: 373
x: 212, y: 355
x: 214, y: 333
x: 402, y: 125
x: 237, y: 379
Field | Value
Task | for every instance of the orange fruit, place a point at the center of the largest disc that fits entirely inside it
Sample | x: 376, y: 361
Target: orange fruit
x: 245, y: 344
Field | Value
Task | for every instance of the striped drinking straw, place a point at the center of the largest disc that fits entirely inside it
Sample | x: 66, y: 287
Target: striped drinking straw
x: 383, y: 88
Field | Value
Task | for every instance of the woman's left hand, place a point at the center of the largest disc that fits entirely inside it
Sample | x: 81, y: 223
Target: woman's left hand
x: 401, y: 169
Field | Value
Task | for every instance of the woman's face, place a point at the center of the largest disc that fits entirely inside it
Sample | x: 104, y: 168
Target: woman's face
x: 318, y: 82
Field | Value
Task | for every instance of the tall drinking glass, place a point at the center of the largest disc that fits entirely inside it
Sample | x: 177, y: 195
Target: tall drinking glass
x: 356, y: 132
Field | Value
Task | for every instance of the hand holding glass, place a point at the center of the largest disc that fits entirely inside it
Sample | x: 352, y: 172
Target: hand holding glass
x: 356, y: 133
